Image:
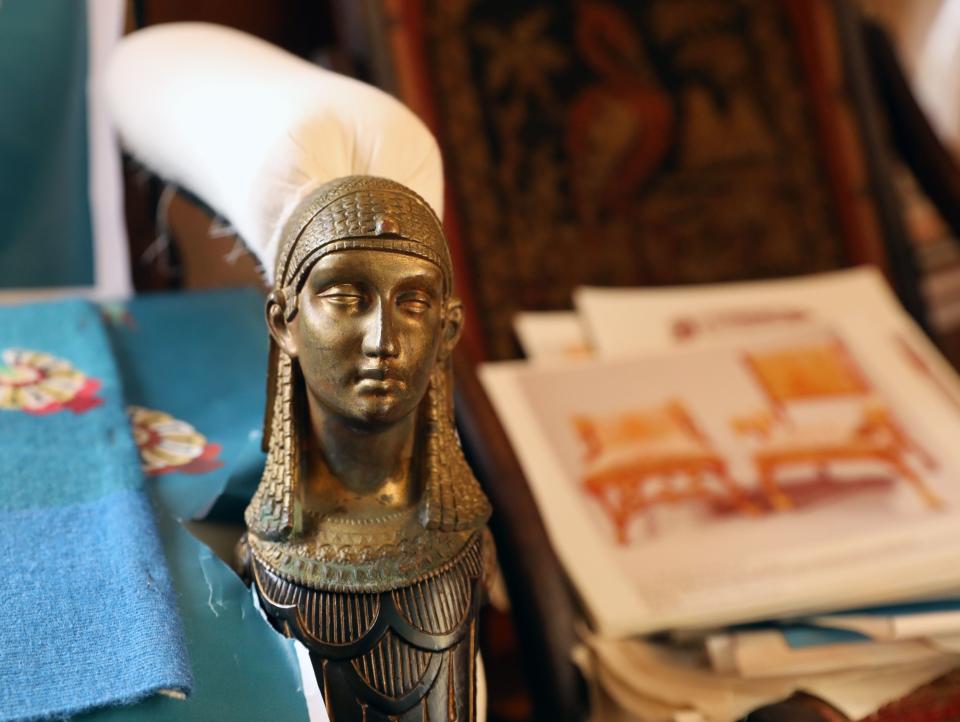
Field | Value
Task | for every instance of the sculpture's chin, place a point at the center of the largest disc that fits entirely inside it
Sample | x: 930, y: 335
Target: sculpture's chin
x: 377, y: 411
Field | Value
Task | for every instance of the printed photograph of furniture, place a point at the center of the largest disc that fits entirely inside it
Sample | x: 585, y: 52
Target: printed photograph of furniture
x: 657, y: 455
x: 822, y: 371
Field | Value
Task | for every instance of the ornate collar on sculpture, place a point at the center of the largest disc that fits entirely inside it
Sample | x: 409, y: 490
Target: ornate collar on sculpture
x: 343, y: 556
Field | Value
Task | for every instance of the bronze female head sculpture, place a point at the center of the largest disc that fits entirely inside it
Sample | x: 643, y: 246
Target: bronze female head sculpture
x: 366, y: 494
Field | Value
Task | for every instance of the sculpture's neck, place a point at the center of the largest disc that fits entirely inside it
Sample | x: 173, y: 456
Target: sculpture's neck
x: 358, y: 471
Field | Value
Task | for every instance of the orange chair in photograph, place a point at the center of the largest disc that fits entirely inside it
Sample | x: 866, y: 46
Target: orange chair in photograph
x: 627, y: 454
x: 814, y: 372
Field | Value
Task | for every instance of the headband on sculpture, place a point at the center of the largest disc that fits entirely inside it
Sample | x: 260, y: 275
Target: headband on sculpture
x: 360, y: 212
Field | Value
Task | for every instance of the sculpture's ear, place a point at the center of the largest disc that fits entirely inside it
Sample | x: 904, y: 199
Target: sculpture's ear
x: 279, y: 322
x: 452, y: 326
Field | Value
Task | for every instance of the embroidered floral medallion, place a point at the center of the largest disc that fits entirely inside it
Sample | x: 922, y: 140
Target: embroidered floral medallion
x: 170, y: 445
x: 38, y: 383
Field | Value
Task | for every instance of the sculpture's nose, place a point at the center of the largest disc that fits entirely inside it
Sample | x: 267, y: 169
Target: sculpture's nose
x: 380, y: 339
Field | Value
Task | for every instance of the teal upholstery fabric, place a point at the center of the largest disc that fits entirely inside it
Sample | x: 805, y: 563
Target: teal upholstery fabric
x: 201, y: 357
x: 80, y: 534
x: 87, y: 611
x: 47, y: 237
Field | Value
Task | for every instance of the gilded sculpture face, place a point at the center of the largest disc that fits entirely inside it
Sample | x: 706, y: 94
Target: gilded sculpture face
x: 369, y: 329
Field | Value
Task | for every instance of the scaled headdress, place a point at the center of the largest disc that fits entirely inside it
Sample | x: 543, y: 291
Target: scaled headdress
x: 359, y: 212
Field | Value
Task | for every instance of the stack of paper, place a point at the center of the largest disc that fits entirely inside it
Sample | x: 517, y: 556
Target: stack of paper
x: 709, y: 457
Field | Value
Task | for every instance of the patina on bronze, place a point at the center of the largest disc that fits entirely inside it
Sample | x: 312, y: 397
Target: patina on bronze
x: 366, y: 534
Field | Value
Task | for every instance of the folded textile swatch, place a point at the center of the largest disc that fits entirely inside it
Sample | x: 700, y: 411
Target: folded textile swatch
x: 87, y: 614
x: 242, y: 668
x: 194, y: 370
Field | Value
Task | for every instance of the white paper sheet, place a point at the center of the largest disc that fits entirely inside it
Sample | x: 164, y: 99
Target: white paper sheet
x: 630, y: 321
x: 654, y: 682
x: 865, y: 536
x: 551, y: 335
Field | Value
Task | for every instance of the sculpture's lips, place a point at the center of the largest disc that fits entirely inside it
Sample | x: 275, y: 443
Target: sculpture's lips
x: 375, y: 373
x: 379, y: 387
x: 378, y: 379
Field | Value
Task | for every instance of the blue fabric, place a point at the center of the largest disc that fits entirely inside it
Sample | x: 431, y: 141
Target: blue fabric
x: 243, y: 669
x: 47, y: 237
x: 200, y: 357
x: 87, y: 612
x: 88, y: 618
x: 95, y: 453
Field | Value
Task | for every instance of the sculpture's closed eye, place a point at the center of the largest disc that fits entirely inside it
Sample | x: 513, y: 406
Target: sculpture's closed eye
x: 343, y: 295
x: 416, y: 302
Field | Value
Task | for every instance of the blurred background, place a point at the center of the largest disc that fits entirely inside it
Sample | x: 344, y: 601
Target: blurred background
x: 626, y: 142
x: 657, y: 142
